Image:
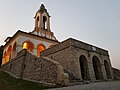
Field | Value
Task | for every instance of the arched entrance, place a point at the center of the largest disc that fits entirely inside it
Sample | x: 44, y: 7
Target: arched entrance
x: 28, y: 45
x: 8, y: 56
x: 84, y: 68
x: 97, y: 68
x: 107, y: 68
x: 4, y: 58
x: 40, y: 48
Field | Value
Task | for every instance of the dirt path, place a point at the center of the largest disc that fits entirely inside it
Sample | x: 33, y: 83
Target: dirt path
x: 114, y: 85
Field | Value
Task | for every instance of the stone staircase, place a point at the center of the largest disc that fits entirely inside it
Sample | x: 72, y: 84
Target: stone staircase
x: 74, y: 80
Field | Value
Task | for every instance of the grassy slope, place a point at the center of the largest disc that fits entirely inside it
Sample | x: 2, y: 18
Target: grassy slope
x: 7, y: 82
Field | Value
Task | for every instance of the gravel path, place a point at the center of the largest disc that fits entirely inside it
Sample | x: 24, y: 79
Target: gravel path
x: 113, y: 85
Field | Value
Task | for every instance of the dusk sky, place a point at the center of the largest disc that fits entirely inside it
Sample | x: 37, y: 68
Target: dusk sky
x: 96, y: 22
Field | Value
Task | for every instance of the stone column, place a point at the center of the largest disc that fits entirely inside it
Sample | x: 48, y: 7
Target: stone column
x: 91, y: 69
x: 48, y: 24
x: 41, y: 24
x: 35, y: 23
x: 103, y: 68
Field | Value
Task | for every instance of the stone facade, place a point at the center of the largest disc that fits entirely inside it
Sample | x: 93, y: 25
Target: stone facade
x: 116, y: 74
x: 70, y: 60
x: 81, y: 61
x: 38, y: 56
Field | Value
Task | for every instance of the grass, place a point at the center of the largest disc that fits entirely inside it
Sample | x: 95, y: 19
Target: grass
x: 7, y: 82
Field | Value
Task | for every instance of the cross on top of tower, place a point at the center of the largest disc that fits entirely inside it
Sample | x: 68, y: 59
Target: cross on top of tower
x: 42, y: 8
x: 42, y: 2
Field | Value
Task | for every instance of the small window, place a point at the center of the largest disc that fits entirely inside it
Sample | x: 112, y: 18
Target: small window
x: 44, y: 22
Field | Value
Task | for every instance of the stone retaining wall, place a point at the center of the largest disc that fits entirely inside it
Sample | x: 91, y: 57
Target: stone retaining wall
x: 43, y: 70
x: 116, y: 74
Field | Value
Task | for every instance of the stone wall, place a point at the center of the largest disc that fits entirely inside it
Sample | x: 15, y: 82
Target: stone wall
x: 80, y: 60
x: 1, y: 55
x: 116, y: 73
x: 43, y: 70
x: 77, y: 44
x: 15, y: 65
x: 68, y: 55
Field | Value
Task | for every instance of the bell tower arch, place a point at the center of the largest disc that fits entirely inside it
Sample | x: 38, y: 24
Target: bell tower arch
x: 42, y: 23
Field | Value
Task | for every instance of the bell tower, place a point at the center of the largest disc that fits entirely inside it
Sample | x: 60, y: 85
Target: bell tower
x: 42, y: 24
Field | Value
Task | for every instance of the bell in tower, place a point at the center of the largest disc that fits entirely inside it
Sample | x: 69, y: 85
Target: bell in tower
x: 42, y: 23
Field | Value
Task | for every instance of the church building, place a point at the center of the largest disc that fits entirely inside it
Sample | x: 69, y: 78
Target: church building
x: 39, y: 39
x: 40, y: 57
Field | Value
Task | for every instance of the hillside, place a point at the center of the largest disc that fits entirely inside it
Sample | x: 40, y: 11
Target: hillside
x: 7, y: 82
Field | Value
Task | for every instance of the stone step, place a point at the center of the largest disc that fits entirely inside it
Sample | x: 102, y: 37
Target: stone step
x: 75, y: 80
x: 79, y: 83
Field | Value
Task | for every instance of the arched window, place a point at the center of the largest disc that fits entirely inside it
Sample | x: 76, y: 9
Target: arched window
x: 8, y: 57
x: 25, y: 45
x: 28, y: 45
x: 45, y: 22
x: 4, y: 58
x: 40, y: 48
x: 38, y: 21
